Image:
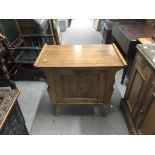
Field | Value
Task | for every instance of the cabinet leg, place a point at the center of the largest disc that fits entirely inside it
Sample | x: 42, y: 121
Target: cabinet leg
x: 103, y: 110
x: 57, y: 110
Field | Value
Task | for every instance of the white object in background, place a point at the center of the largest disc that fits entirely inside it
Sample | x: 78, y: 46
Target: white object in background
x: 43, y: 24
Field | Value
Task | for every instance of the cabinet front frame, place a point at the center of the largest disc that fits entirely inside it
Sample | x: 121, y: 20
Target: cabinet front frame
x: 105, y: 97
x: 141, y: 91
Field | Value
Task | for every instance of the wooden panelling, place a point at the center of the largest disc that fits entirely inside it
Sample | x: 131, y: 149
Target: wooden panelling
x: 139, y: 102
x: 80, y: 85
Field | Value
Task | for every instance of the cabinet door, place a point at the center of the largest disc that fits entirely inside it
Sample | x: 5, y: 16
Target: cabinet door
x: 148, y: 125
x: 80, y: 86
x: 145, y: 119
x: 135, y: 91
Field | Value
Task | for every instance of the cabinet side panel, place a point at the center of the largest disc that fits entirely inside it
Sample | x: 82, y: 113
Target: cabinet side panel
x: 51, y: 85
x: 109, y: 85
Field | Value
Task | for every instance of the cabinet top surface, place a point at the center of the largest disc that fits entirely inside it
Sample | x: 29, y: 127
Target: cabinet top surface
x: 79, y: 56
x: 146, y: 40
x: 148, y: 50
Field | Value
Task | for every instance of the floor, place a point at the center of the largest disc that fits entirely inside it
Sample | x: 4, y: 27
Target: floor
x: 37, y: 107
x: 81, y: 32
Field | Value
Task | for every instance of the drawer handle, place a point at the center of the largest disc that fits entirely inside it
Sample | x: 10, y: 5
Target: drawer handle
x: 143, y: 64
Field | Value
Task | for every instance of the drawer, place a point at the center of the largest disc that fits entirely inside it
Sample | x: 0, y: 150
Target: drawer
x: 143, y: 66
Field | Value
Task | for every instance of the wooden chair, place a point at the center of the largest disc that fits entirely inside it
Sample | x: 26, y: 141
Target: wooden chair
x: 24, y: 49
x: 4, y: 73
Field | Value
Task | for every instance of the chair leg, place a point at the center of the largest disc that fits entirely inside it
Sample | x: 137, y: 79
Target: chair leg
x: 124, y: 73
x: 57, y: 110
x: 103, y: 110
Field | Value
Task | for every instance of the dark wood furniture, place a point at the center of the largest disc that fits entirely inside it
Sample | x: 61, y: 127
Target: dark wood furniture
x: 80, y: 74
x: 107, y: 31
x: 138, y: 105
x: 126, y: 36
x: 12, y: 121
x: 33, y: 26
x: 107, y: 35
x: 11, y: 117
x: 54, y: 25
x: 4, y: 73
x: 23, y: 49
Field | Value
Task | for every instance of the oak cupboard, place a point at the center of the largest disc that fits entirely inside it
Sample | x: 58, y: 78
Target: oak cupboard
x: 80, y: 74
x: 138, y: 104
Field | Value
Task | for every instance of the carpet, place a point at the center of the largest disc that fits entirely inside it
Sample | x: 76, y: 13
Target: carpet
x: 78, y: 120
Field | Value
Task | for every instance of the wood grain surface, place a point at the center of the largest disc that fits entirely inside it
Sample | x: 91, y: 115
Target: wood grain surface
x: 79, y: 56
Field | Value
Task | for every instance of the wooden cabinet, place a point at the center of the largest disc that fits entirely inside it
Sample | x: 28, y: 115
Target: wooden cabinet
x: 137, y: 85
x: 80, y: 74
x: 138, y: 104
x: 144, y: 120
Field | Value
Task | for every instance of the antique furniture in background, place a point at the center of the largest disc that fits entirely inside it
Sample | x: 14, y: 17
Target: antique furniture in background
x: 150, y: 22
x: 12, y: 121
x: 104, y: 26
x: 107, y: 32
x: 34, y: 26
x: 125, y: 35
x: 41, y: 26
x: 6, y: 59
x: 11, y: 117
x: 29, y: 26
x: 54, y: 25
x: 138, y: 105
x: 23, y: 48
x: 80, y: 74
x: 64, y: 24
x: 4, y: 73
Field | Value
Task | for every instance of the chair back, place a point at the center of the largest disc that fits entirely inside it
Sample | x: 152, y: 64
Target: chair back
x: 4, y: 73
x: 10, y: 29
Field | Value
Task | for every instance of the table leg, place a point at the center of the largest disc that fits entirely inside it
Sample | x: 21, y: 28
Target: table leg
x: 124, y: 73
x: 125, y: 69
x: 57, y: 110
x: 103, y: 110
